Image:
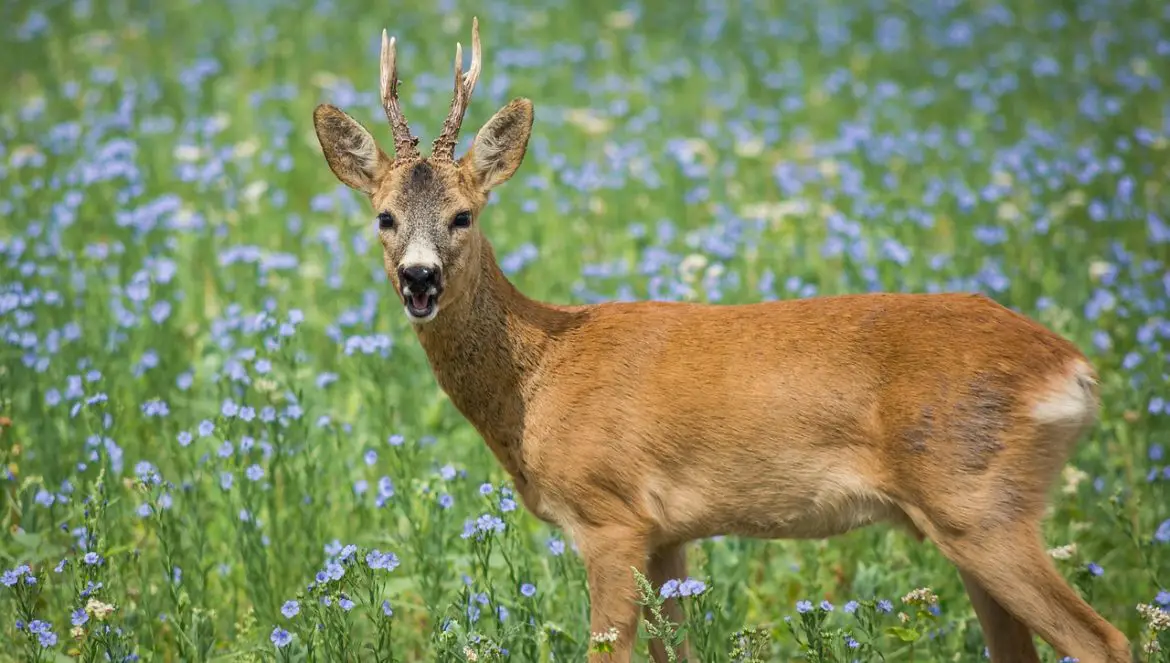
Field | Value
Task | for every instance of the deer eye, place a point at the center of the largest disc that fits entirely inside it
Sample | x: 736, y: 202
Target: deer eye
x: 461, y: 220
x: 386, y: 221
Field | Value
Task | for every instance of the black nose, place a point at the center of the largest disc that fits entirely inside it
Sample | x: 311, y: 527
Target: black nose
x: 419, y: 278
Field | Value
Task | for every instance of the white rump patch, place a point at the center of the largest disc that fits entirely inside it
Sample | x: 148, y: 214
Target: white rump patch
x: 1070, y: 400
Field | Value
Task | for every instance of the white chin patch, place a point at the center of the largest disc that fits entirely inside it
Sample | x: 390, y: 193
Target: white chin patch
x: 414, y: 317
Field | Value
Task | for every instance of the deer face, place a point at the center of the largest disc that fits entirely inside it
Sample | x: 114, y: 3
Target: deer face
x: 427, y: 208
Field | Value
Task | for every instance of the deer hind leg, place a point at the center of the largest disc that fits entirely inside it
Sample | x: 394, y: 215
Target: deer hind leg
x: 1008, y: 639
x: 666, y: 563
x: 1008, y: 562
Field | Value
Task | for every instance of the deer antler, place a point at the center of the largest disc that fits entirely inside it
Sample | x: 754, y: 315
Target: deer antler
x: 405, y: 145
x: 444, y: 145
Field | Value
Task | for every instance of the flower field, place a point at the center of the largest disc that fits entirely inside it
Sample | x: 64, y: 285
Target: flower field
x: 221, y: 441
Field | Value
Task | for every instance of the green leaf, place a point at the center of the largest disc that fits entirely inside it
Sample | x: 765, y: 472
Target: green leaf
x: 35, y: 548
x: 903, y: 634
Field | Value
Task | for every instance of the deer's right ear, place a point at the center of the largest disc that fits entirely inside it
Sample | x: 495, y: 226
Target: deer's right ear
x: 353, y: 155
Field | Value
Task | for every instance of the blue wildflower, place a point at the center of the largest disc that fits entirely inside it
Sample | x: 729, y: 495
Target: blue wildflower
x: 1162, y: 534
x: 280, y: 637
x: 290, y: 609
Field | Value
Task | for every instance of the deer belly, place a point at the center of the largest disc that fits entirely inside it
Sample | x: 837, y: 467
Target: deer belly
x: 764, y: 500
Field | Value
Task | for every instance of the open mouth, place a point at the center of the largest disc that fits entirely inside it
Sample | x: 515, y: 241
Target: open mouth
x: 421, y: 306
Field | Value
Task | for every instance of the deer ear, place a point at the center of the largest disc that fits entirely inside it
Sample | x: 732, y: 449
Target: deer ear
x: 500, y: 145
x: 353, y: 155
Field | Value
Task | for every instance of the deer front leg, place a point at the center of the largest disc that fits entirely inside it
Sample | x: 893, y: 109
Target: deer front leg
x: 610, y: 555
x: 666, y: 563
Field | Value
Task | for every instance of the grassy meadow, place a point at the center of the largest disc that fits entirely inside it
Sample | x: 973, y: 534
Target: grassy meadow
x: 220, y: 440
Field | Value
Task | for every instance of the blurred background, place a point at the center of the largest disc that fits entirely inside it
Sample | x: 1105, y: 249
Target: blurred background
x: 208, y: 391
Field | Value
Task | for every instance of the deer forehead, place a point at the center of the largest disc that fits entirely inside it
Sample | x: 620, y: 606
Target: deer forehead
x: 426, y: 192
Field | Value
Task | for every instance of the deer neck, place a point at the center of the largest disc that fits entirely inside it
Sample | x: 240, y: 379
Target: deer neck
x: 485, y: 350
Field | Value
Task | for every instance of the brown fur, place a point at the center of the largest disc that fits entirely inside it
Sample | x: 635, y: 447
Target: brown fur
x: 637, y: 427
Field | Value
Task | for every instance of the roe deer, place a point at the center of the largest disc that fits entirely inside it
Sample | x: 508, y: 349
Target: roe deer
x: 638, y: 427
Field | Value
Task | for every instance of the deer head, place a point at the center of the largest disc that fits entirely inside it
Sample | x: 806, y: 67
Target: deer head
x: 427, y: 207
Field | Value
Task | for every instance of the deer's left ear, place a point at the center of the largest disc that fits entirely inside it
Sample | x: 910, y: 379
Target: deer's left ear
x: 353, y: 155
x: 500, y: 145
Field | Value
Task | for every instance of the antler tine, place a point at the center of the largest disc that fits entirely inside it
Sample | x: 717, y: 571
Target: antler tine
x: 405, y: 145
x: 444, y: 145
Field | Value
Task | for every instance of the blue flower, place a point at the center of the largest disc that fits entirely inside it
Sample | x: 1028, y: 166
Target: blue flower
x: 691, y: 587
x: 804, y: 606
x: 290, y: 609
x: 528, y: 589
x: 482, y: 527
x: 376, y: 559
x: 669, y: 589
x: 184, y: 381
x: 556, y: 547
x: 155, y: 407
x: 47, y: 639
x: 385, y: 487
x: 1163, y: 533
x: 280, y: 637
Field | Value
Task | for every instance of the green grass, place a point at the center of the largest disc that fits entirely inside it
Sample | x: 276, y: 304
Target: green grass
x: 166, y: 209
